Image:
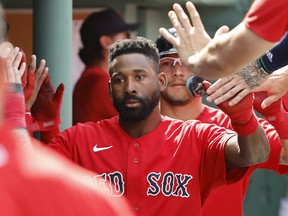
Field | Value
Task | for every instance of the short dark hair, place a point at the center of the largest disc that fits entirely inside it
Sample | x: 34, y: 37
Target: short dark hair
x: 139, y: 45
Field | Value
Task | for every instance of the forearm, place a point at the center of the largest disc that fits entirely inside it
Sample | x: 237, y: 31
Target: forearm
x: 284, y: 152
x: 251, y: 149
x: 228, y: 53
x: 254, y: 148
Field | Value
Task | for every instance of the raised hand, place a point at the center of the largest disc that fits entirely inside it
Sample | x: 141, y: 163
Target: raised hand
x: 232, y: 88
x: 191, y: 36
x: 33, y: 80
x: 276, y: 85
x: 46, y: 109
x: 14, y: 103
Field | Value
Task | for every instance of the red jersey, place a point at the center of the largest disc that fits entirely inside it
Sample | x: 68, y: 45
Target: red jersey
x: 165, y: 172
x: 268, y: 19
x: 91, y: 100
x: 226, y: 200
x: 35, y: 181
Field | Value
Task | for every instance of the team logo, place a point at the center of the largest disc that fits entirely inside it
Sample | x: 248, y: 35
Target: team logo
x: 97, y: 149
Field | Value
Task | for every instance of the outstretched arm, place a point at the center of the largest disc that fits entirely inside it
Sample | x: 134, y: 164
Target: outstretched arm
x: 223, y: 55
x: 14, y: 102
x: 251, y: 145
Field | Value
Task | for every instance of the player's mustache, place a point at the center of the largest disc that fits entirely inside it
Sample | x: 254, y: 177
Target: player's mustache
x: 132, y: 97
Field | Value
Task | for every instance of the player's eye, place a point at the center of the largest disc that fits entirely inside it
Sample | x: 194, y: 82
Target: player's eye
x: 139, y: 77
x: 118, y: 80
x: 166, y: 63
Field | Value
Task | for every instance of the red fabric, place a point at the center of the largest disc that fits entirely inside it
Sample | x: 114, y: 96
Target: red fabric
x: 226, y: 200
x: 268, y: 19
x: 14, y: 110
x: 149, y: 169
x: 241, y: 115
x: 91, y: 99
x: 35, y: 181
x: 275, y: 113
x: 46, y: 109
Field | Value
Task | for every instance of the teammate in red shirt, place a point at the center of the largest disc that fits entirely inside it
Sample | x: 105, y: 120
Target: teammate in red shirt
x: 162, y: 165
x: 264, y: 25
x: 177, y: 102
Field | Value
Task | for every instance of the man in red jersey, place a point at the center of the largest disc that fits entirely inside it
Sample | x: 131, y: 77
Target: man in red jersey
x: 177, y: 102
x: 161, y: 165
x: 264, y: 25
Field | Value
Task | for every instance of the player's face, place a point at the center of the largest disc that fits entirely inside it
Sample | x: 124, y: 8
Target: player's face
x: 134, y: 86
x: 176, y: 92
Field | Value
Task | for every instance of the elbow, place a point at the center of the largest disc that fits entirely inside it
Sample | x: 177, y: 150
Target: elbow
x: 261, y: 155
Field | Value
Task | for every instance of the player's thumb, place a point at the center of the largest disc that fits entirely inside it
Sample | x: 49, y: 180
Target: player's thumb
x: 206, y: 84
x: 222, y: 30
x: 59, y: 93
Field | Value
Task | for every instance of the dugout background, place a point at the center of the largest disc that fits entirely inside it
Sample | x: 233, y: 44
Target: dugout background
x: 266, y: 188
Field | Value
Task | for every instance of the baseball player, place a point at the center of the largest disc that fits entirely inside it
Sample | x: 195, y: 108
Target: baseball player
x: 228, y: 53
x: 162, y: 165
x: 177, y: 102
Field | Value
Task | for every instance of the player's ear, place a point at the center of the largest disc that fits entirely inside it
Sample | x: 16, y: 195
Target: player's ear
x: 163, y: 81
x: 106, y: 41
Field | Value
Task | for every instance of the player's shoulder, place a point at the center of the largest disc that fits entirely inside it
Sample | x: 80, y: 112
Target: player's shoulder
x: 172, y: 122
x: 105, y: 124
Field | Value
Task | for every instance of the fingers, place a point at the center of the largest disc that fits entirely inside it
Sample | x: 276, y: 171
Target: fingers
x: 32, y: 65
x: 216, y: 90
x: 59, y: 93
x: 178, y: 18
x: 170, y: 38
x: 195, y: 17
x: 12, y: 62
x: 269, y: 100
x: 41, y: 71
x: 242, y: 94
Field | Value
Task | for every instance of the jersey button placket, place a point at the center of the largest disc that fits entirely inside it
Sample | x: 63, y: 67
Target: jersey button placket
x: 136, y: 175
x: 136, y: 160
x: 135, y: 207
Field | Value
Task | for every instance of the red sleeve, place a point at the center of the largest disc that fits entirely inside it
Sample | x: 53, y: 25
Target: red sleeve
x: 63, y: 142
x: 275, y: 148
x: 268, y: 19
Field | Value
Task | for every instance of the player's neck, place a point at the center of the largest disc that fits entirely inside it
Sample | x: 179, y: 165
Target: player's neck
x: 186, y: 112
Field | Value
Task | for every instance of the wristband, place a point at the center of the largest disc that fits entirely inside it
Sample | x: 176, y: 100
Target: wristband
x: 14, y: 110
x: 45, y: 125
x: 261, y: 65
x: 247, y: 128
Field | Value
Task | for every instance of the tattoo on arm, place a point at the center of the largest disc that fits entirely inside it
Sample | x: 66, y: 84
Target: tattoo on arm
x: 252, y: 75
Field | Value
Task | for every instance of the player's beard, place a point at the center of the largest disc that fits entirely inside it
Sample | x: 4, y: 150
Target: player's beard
x: 139, y: 113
